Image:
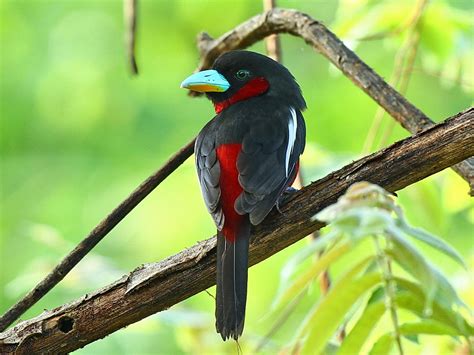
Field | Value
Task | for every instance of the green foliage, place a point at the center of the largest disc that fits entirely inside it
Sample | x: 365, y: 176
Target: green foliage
x: 444, y: 33
x: 367, y: 211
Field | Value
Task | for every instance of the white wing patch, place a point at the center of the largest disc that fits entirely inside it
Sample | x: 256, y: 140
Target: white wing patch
x: 292, y: 126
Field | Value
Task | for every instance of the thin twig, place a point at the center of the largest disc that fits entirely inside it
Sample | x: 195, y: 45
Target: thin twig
x: 95, y: 236
x: 130, y: 19
x: 272, y: 42
x: 210, y: 294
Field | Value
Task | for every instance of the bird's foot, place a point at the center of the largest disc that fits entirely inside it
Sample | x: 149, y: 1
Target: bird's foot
x: 284, y: 197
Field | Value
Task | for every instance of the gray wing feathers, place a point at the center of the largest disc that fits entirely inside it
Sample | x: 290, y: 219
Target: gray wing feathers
x: 209, y: 173
x: 262, y: 165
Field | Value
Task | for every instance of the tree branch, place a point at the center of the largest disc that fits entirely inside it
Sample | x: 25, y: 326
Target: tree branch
x: 155, y: 287
x: 325, y: 42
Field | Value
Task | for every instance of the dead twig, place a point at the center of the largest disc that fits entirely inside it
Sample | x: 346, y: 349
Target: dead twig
x: 272, y: 42
x: 130, y: 19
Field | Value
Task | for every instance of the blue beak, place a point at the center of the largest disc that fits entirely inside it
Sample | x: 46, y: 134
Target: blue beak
x: 206, y: 81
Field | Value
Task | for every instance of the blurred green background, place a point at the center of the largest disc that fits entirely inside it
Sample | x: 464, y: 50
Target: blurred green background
x: 78, y: 134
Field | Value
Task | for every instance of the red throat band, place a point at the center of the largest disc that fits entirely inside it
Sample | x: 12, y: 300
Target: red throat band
x: 253, y: 88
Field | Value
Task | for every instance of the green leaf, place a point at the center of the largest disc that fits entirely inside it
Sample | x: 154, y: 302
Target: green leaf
x: 359, y: 196
x: 383, y: 345
x: 409, y: 302
x: 320, y: 243
x: 358, y: 221
x: 377, y: 295
x: 428, y: 326
x: 354, y: 341
x: 331, y: 349
x: 364, y: 221
x: 412, y: 299
x: 413, y: 338
x: 300, y: 284
x: 446, y: 292
x: 414, y: 263
x: 438, y: 293
x: 432, y: 280
x: 415, y: 303
x: 432, y: 241
x: 327, y: 315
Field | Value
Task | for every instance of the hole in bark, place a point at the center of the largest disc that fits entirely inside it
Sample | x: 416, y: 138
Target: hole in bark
x: 65, y: 324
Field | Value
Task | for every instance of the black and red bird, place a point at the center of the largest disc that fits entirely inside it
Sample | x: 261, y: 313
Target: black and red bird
x: 246, y: 157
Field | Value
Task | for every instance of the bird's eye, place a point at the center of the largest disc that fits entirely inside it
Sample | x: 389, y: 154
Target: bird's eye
x: 242, y: 74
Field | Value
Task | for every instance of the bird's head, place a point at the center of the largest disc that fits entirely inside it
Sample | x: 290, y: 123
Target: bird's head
x: 241, y: 75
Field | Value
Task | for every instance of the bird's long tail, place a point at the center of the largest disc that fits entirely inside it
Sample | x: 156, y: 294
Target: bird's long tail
x: 231, y: 293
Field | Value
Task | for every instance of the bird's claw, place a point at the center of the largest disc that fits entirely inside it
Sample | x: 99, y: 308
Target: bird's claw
x: 283, y: 199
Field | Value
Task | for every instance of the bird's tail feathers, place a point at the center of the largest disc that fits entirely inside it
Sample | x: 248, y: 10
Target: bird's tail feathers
x: 231, y: 293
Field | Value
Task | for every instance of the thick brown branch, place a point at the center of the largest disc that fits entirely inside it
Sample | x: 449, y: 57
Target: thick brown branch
x: 325, y: 42
x: 156, y: 287
x: 95, y: 236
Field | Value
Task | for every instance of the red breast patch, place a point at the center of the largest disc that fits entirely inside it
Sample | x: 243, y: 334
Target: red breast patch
x: 227, y: 155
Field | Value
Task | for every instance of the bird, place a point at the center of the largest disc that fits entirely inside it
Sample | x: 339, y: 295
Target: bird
x: 246, y: 158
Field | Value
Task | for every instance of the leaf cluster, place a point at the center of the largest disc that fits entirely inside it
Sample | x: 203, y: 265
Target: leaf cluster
x: 369, y: 287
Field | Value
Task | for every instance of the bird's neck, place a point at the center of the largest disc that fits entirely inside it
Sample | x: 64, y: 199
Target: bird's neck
x: 254, y: 87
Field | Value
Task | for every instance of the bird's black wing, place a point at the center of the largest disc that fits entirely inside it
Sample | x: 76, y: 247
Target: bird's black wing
x: 209, y: 171
x: 267, y: 163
